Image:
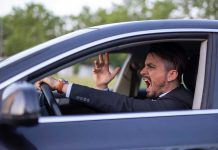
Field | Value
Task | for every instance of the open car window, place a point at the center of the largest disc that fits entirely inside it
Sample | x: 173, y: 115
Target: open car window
x: 128, y: 82
x: 81, y: 72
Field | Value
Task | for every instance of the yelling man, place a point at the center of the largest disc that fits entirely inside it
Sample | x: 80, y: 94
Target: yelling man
x: 163, y: 68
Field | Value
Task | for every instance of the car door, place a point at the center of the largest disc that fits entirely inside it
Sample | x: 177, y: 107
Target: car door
x: 162, y: 130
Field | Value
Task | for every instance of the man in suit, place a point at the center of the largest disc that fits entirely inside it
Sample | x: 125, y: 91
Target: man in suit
x: 163, y: 68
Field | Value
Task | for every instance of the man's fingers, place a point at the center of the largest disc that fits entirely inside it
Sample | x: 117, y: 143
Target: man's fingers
x: 115, y: 72
x: 96, y: 67
x: 100, y: 57
x: 96, y: 64
x: 95, y: 70
x: 47, y: 80
x: 106, y: 58
x: 38, y: 84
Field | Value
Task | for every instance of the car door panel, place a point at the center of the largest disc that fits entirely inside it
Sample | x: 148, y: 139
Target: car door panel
x: 148, y: 132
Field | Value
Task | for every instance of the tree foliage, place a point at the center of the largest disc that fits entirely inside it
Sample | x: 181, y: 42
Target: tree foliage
x: 129, y: 10
x: 24, y: 28
x: 34, y: 24
x: 206, y: 9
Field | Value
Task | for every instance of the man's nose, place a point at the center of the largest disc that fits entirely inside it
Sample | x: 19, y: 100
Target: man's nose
x: 143, y: 71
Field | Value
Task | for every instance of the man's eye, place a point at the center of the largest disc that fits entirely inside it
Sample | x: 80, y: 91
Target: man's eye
x: 150, y: 66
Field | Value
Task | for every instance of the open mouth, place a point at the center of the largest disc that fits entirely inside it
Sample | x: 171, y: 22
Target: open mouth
x: 147, y: 82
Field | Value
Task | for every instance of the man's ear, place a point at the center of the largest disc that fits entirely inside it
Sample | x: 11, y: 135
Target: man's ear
x: 172, y: 75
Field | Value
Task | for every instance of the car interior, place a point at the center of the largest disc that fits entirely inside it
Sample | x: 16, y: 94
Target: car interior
x: 128, y: 82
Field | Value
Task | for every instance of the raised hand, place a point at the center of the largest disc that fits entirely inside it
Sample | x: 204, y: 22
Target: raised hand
x: 101, y: 73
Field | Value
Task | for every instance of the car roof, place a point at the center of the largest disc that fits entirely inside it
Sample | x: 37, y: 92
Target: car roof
x: 161, y: 24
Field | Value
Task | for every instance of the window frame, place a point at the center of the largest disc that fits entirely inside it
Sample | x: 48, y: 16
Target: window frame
x: 168, y: 37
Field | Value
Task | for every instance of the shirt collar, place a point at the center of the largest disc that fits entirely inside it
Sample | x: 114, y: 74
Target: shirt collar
x: 163, y: 94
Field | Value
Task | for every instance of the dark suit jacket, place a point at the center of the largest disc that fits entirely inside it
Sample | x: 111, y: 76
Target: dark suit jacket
x: 107, y: 101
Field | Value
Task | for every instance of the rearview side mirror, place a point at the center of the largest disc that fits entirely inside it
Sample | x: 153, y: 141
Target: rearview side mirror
x: 20, y: 105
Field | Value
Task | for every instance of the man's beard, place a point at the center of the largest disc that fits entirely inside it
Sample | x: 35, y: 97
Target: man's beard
x: 159, y: 90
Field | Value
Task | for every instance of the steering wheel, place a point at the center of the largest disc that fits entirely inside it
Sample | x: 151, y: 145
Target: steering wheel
x: 50, y: 100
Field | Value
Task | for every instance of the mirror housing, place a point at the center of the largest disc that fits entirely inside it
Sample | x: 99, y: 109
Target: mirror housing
x: 20, y: 105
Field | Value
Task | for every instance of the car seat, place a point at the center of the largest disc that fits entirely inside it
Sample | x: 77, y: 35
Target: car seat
x: 190, y: 73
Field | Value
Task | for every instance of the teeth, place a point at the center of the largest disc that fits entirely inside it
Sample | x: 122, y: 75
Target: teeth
x: 145, y: 79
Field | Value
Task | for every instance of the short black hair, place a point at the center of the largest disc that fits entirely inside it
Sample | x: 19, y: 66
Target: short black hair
x: 172, y: 53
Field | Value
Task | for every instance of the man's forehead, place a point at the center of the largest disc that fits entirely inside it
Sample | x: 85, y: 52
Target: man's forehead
x: 153, y: 58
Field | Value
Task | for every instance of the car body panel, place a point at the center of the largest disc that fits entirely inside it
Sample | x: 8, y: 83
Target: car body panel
x: 151, y: 131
